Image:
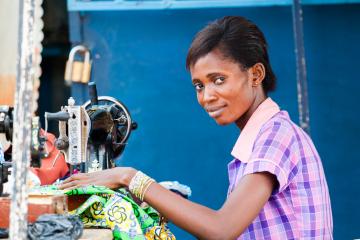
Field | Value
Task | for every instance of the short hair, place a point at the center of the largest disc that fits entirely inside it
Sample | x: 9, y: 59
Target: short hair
x: 239, y: 40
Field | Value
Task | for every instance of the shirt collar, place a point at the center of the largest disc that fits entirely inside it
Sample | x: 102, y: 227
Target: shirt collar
x: 244, y: 145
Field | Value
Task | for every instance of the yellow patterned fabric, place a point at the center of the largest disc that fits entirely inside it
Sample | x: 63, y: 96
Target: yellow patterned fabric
x: 116, y: 210
x: 159, y: 233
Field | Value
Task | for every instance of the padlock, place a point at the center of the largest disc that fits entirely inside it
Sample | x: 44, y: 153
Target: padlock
x: 77, y: 71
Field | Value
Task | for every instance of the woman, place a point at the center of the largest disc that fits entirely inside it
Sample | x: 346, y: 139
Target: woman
x: 277, y: 186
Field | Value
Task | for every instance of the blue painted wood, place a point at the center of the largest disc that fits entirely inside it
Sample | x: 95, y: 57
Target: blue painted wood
x: 139, y: 58
x: 96, y: 5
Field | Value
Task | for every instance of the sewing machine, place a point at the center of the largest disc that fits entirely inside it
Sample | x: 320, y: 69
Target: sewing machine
x: 37, y: 143
x: 92, y: 135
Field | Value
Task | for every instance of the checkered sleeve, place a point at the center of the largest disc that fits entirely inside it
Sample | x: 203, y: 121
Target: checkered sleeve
x: 274, y: 152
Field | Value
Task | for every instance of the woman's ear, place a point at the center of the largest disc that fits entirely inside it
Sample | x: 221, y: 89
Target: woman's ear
x: 258, y: 74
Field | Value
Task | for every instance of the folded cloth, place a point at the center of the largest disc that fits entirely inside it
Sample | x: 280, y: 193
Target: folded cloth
x: 116, y: 210
x: 4, y: 233
x: 55, y: 226
x: 175, y: 186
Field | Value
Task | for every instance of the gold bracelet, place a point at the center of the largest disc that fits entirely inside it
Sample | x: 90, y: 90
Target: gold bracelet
x: 139, y: 184
x: 145, y: 188
x: 135, y: 183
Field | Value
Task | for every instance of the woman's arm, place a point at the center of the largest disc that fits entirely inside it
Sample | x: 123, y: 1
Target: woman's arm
x: 239, y: 210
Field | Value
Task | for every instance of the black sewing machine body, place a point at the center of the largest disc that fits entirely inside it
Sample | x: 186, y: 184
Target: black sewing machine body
x: 92, y: 135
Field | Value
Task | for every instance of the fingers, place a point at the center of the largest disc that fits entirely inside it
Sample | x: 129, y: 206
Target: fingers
x: 101, y: 178
x: 73, y: 185
x: 69, y: 179
x: 78, y: 176
x: 68, y: 185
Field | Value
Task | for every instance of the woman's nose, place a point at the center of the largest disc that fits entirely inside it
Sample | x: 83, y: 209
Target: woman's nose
x: 209, y: 94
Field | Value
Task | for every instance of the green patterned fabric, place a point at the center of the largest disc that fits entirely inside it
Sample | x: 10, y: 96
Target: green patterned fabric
x: 110, y: 209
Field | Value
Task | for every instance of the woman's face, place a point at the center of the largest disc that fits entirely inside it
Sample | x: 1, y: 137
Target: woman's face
x: 224, y: 90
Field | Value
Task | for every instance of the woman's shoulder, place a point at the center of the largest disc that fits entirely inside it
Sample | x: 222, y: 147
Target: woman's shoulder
x: 281, y: 129
x: 280, y: 122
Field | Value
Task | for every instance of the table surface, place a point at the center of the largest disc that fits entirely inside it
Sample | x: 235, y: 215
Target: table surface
x: 94, y: 234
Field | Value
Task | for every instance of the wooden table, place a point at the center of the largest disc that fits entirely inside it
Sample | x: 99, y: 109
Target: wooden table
x: 41, y: 204
x: 38, y: 205
x: 96, y: 234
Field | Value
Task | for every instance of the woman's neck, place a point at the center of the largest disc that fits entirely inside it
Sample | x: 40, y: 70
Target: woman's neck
x: 241, y: 122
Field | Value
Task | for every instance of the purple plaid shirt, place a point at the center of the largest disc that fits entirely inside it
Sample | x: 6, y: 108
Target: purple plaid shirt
x: 300, y: 207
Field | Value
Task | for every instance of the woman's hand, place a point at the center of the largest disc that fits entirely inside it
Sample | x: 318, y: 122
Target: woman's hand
x: 111, y: 178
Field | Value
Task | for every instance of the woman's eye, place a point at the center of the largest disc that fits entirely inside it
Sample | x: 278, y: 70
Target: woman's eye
x: 219, y: 80
x: 198, y: 86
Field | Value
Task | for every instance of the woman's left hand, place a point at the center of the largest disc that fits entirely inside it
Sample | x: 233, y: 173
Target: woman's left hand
x: 111, y: 178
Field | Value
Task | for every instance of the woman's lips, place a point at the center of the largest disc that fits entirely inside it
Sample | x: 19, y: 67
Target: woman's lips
x: 215, y: 112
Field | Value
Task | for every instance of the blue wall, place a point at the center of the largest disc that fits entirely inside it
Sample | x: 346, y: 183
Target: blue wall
x: 139, y: 58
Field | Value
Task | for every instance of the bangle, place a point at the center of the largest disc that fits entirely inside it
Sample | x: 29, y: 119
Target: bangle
x: 139, y: 184
x: 145, y: 188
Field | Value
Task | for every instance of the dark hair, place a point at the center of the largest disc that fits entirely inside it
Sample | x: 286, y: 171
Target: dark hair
x: 237, y: 39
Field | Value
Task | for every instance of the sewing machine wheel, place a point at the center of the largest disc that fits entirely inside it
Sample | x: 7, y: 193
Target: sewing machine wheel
x: 109, y: 118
